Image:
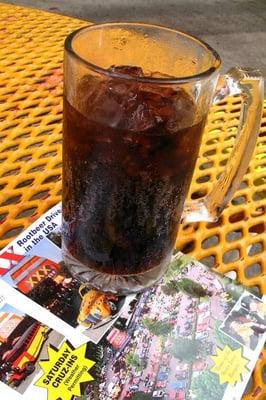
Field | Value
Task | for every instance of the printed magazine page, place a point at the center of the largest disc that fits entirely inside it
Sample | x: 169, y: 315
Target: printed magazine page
x: 194, y: 336
x: 32, y: 264
x: 35, y: 357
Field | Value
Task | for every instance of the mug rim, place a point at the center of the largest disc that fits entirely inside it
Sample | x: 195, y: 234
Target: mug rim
x: 151, y: 80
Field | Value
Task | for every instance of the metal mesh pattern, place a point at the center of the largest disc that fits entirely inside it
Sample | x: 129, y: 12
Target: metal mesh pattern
x: 31, y: 50
x: 237, y: 241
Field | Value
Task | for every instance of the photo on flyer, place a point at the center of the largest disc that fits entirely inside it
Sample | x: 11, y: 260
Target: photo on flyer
x: 23, y: 343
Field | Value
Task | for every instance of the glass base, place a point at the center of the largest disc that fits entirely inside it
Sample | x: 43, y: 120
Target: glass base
x: 118, y: 284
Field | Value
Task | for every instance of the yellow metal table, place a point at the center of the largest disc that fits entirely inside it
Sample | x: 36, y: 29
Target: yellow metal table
x: 31, y: 51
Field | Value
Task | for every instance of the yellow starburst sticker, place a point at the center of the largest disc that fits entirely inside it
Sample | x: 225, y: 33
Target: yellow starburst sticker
x: 229, y: 365
x: 64, y: 371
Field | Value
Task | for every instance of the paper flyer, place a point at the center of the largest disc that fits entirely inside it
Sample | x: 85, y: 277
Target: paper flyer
x: 194, y: 336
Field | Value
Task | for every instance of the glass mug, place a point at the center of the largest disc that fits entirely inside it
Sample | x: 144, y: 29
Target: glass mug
x: 136, y: 97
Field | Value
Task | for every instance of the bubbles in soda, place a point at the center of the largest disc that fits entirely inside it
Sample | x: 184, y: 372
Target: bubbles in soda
x: 129, y: 151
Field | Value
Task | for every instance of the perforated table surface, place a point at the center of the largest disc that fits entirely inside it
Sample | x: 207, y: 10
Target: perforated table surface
x: 31, y: 52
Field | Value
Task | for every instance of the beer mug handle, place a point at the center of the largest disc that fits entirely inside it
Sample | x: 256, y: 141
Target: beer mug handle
x: 249, y: 84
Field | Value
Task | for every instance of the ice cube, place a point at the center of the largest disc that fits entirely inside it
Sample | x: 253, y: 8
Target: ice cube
x: 134, y: 105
